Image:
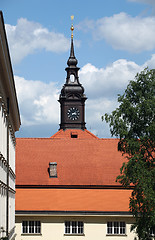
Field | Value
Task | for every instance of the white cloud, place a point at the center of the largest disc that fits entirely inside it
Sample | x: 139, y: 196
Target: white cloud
x: 27, y: 37
x: 151, y: 62
x: 151, y: 2
x: 109, y: 81
x: 86, y: 25
x: 102, y: 87
x: 124, y: 32
x: 37, y: 101
x: 95, y: 108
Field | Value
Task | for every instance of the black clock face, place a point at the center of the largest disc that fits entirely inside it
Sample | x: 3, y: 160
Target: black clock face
x: 73, y: 113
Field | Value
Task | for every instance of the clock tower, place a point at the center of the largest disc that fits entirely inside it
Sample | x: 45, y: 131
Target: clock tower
x: 72, y: 97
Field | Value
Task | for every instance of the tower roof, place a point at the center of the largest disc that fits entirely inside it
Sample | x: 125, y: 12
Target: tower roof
x: 72, y: 61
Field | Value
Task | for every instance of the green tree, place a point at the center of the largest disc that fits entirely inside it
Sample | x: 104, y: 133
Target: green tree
x: 133, y: 122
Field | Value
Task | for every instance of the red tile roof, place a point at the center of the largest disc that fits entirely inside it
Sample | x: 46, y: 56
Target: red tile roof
x: 86, y: 160
x: 113, y: 200
x: 81, y: 134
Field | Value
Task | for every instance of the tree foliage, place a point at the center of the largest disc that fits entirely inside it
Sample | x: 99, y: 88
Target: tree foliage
x: 133, y: 122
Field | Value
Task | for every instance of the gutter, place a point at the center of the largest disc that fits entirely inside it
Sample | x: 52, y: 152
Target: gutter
x: 7, y: 194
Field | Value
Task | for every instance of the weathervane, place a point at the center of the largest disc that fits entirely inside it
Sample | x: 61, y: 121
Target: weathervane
x: 72, y: 28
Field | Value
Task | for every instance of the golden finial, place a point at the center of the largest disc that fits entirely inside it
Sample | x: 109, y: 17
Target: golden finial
x: 72, y: 28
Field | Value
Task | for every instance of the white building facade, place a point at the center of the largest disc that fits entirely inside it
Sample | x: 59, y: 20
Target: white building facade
x: 86, y: 227
x: 9, y: 124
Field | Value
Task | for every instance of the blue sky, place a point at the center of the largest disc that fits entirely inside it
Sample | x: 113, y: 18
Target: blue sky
x: 114, y: 40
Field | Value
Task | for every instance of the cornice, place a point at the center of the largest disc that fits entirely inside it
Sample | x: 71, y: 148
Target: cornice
x: 4, y: 186
x: 11, y: 129
x: 73, y: 213
x: 20, y: 186
x: 4, y: 161
x: 8, y: 79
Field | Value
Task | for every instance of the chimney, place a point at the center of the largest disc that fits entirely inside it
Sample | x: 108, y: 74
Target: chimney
x: 53, y: 169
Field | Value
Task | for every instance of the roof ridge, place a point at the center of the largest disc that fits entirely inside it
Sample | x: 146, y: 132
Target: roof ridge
x: 49, y: 138
x: 55, y: 134
x: 93, y: 135
x: 62, y: 133
x: 109, y: 138
x: 32, y: 138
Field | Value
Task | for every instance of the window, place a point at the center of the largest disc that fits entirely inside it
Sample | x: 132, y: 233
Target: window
x: 73, y: 227
x: 72, y: 78
x: 33, y: 227
x: 116, y: 228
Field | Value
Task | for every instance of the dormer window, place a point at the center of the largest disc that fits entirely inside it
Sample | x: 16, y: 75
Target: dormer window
x: 74, y: 135
x: 53, y: 169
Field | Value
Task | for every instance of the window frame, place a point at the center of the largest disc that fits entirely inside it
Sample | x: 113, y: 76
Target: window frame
x: 117, y: 228
x: 74, y: 228
x: 32, y: 227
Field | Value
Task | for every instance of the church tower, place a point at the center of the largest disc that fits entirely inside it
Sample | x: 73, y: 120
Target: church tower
x: 72, y: 97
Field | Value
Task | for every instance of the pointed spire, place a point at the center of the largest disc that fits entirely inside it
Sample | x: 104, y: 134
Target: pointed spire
x: 72, y: 61
x: 72, y: 49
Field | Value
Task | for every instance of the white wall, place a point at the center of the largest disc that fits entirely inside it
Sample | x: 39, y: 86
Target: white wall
x: 3, y: 131
x: 3, y: 168
x: 2, y: 209
x: 11, y: 123
x: 11, y: 211
x: 95, y: 227
x: 4, y: 120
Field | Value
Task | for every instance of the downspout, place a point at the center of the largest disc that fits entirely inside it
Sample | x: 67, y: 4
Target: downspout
x: 7, y: 194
